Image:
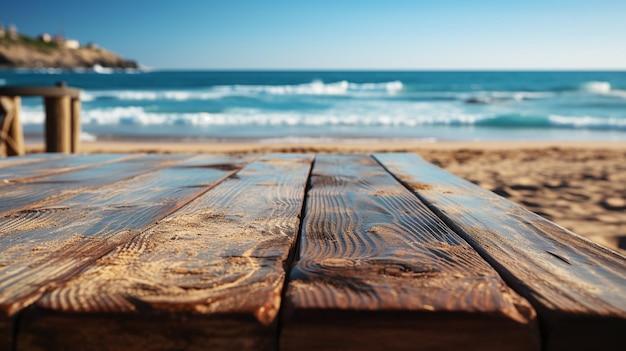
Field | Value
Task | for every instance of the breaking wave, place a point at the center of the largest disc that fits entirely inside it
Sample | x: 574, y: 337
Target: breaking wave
x: 409, y: 115
x: 316, y: 87
x: 596, y: 87
x: 553, y: 121
x: 600, y: 88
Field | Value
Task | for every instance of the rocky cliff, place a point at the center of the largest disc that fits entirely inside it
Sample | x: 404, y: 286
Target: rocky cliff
x: 25, y: 52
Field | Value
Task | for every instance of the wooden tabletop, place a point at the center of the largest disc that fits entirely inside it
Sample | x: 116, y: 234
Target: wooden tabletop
x: 290, y: 252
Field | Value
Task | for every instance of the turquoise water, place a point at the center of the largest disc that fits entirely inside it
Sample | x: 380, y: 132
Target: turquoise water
x: 278, y: 106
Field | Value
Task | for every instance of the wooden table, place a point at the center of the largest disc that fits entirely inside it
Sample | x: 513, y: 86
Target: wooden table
x: 297, y: 252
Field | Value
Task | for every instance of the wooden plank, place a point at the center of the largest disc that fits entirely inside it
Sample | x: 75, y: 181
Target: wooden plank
x: 377, y: 270
x: 210, y: 276
x: 577, y: 287
x: 51, y: 166
x: 39, y: 91
x: 41, y: 247
x: 46, y: 191
x: 30, y: 158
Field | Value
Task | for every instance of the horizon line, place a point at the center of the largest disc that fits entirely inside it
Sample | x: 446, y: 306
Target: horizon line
x: 614, y: 69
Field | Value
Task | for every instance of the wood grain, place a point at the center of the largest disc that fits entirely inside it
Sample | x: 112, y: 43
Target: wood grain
x: 577, y: 287
x: 30, y: 158
x: 209, y: 276
x: 52, y: 243
x: 377, y: 270
x: 45, y: 191
x: 52, y: 166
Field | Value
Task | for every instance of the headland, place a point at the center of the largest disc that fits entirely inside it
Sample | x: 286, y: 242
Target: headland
x: 21, y: 51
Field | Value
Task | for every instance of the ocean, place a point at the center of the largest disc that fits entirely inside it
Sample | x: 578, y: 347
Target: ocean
x: 269, y: 106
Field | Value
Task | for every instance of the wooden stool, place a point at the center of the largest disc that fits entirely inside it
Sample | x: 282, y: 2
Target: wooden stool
x: 62, y: 125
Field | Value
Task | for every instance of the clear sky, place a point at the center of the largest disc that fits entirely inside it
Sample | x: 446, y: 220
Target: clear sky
x: 336, y: 34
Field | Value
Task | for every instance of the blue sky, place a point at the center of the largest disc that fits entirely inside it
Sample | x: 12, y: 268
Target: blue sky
x: 320, y: 34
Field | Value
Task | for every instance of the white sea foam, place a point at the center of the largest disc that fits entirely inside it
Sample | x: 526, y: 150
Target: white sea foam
x: 84, y: 96
x: 317, y: 87
x: 602, y: 88
x: 102, y: 70
x: 372, y: 113
x: 587, y: 121
x: 135, y: 70
x: 389, y: 87
x: 366, y: 90
x: 314, y: 88
x: 618, y: 93
x: 84, y: 136
x: 498, y: 96
x: 362, y: 113
x: 32, y: 115
x: 46, y: 70
x: 122, y: 115
x: 146, y: 95
x: 596, y: 87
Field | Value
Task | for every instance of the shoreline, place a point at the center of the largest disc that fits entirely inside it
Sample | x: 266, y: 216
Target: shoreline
x: 352, y: 146
x: 578, y: 185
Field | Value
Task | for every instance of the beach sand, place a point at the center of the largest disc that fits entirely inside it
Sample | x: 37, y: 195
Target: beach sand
x: 578, y: 185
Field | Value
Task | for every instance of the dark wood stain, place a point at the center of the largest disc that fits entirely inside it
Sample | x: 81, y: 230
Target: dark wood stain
x: 165, y: 252
x: 209, y: 276
x: 39, y: 192
x: 46, y: 245
x: 53, y: 166
x: 376, y: 270
x: 577, y: 287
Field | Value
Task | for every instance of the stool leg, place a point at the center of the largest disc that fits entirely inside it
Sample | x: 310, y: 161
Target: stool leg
x: 75, y: 125
x: 15, y: 130
x: 58, y: 124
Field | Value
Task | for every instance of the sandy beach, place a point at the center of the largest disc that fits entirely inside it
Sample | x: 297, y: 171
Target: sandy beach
x: 579, y: 185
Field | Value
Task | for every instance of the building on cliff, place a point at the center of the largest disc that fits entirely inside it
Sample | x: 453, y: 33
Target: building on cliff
x: 71, y: 44
x: 12, y: 32
x: 45, y: 37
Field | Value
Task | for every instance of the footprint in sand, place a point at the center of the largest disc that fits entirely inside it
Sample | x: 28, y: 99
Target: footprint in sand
x: 525, y: 184
x: 556, y: 184
x: 613, y: 203
x: 575, y: 197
